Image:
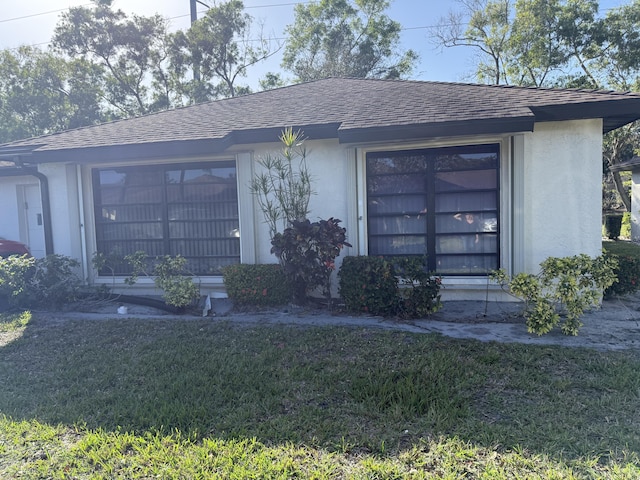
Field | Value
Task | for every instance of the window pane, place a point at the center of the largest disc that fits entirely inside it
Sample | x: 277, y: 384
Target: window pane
x: 397, y: 245
x: 467, y: 222
x: 410, y: 204
x: 395, y: 184
x: 467, y: 243
x: 396, y: 163
x: 133, y: 213
x: 170, y: 210
x: 444, y: 200
x: 466, y: 264
x: 466, y: 202
x: 467, y: 161
x: 395, y: 225
x: 466, y: 180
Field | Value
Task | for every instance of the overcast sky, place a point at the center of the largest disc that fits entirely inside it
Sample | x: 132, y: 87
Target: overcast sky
x: 31, y: 22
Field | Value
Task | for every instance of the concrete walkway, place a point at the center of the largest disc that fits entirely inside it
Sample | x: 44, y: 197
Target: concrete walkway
x: 615, y: 326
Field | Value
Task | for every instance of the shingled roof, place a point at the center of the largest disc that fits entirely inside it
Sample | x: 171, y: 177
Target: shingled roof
x: 351, y: 110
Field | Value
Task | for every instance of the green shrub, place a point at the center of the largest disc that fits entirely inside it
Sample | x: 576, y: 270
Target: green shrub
x: 627, y: 270
x: 256, y: 285
x: 169, y: 274
x: 625, y: 229
x: 49, y: 282
x: 178, y: 289
x: 567, y: 286
x: 307, y: 252
x: 378, y: 286
x: 368, y: 284
x: 15, y: 275
x: 419, y: 291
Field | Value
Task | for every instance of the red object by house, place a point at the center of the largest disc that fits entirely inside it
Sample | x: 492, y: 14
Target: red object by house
x: 11, y: 247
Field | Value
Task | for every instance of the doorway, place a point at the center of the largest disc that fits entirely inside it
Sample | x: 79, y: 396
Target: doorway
x: 32, y: 220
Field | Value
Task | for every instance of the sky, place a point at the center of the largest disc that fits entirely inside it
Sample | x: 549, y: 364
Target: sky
x: 31, y: 22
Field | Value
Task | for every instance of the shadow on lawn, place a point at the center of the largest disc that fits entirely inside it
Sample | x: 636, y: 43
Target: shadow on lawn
x: 326, y: 387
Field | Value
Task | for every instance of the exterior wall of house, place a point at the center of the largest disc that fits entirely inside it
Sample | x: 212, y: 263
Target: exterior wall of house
x: 333, y: 183
x: 65, y: 209
x: 550, y: 202
x: 10, y: 211
x: 561, y: 192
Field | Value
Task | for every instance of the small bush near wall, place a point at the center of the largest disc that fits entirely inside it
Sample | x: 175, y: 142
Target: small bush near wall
x: 368, y: 284
x: 256, y: 285
x: 50, y: 282
x: 565, y: 287
x: 382, y: 287
x: 627, y: 272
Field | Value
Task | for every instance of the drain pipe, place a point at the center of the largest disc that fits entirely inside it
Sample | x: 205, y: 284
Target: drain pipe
x: 21, y: 171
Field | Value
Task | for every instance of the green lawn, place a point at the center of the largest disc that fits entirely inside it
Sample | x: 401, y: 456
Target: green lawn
x: 208, y: 399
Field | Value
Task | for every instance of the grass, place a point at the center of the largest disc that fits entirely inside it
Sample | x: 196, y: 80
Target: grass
x: 622, y: 248
x: 207, y: 399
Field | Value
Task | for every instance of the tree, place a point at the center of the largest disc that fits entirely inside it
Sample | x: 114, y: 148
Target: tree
x: 562, y: 43
x: 220, y: 46
x: 345, y: 38
x: 534, y: 47
x: 42, y: 93
x: 488, y: 24
x: 131, y: 52
x: 272, y: 80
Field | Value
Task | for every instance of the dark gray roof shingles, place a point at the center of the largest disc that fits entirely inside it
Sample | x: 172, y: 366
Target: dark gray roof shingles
x: 353, y: 104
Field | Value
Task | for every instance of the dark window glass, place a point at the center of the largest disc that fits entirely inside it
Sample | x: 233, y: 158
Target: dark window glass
x: 169, y: 210
x: 442, y: 203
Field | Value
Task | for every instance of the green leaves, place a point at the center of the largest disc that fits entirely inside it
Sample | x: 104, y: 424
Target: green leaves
x: 283, y: 189
x: 307, y: 253
x: 345, y: 38
x: 398, y: 286
x: 567, y: 286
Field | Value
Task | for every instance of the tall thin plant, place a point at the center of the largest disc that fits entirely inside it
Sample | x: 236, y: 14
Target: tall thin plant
x: 283, y: 187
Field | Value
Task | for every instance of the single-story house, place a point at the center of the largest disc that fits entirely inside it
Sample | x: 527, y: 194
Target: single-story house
x: 475, y: 177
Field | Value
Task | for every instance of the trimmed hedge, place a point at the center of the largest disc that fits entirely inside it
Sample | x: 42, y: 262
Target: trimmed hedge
x: 256, y: 285
x: 628, y: 270
x: 369, y: 285
x: 400, y: 286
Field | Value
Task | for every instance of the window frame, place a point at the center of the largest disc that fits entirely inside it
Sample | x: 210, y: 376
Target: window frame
x: 165, y: 221
x: 499, y: 146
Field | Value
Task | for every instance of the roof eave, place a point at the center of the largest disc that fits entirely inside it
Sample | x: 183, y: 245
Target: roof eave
x: 614, y: 113
x: 434, y: 130
x: 177, y: 148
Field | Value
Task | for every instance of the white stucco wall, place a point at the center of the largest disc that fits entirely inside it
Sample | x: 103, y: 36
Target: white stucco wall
x: 9, y: 212
x: 63, y: 197
x: 562, y: 191
x: 551, y: 200
x: 333, y: 178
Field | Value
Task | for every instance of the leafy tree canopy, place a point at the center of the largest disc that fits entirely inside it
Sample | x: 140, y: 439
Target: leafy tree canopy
x: 42, y: 93
x: 345, y: 38
x: 131, y: 51
x: 219, y: 46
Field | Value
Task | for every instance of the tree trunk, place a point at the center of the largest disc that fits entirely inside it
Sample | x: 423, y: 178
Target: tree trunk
x: 622, y: 191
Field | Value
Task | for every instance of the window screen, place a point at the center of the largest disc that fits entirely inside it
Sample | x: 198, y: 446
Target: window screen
x: 439, y: 203
x: 191, y: 210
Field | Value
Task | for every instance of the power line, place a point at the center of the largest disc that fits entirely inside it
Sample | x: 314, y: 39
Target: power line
x: 39, y: 14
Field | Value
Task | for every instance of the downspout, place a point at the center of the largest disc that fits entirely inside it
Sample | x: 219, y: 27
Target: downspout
x: 21, y: 171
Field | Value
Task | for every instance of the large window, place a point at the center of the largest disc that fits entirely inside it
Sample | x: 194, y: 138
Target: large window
x: 442, y: 203
x: 191, y: 210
